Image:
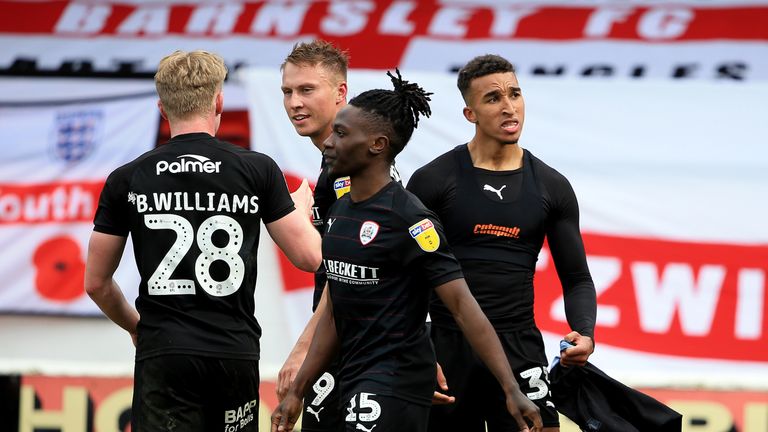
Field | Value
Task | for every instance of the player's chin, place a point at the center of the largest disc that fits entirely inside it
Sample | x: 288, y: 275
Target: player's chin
x: 334, y: 169
x: 303, y: 132
x: 510, y: 140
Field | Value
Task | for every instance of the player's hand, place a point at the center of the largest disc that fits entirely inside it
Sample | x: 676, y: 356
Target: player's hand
x: 302, y: 197
x: 439, y: 398
x: 134, y: 338
x: 287, y: 374
x: 521, y: 409
x: 578, y: 354
x: 286, y: 414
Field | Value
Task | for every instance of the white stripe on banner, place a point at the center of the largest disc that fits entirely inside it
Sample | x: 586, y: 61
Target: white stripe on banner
x: 53, y: 163
x: 642, y: 39
x: 671, y: 184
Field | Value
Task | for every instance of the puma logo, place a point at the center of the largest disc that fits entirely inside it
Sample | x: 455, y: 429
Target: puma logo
x: 494, y: 190
x: 330, y: 224
x: 363, y: 428
x: 315, y: 413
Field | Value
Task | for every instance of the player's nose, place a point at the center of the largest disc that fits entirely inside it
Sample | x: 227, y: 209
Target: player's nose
x: 328, y: 143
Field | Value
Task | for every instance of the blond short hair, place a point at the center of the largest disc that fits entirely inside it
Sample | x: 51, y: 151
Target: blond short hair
x: 187, y: 82
x: 319, y: 52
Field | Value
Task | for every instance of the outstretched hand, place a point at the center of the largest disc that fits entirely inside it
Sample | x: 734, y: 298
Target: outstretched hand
x: 287, y: 374
x: 285, y: 416
x: 439, y: 398
x: 521, y: 409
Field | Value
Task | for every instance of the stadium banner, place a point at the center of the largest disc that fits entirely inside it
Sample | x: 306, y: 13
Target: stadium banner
x: 103, y: 404
x: 671, y: 214
x: 687, y: 39
x: 54, y: 160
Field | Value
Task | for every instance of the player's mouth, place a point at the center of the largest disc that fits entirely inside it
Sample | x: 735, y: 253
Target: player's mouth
x: 299, y: 118
x: 511, y: 126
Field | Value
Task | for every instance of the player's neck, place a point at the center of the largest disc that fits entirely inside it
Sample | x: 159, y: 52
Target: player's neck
x: 319, y: 140
x: 193, y: 125
x: 495, y: 156
x: 367, y: 183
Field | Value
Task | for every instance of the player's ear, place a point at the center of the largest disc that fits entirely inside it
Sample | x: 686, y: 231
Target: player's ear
x: 469, y: 115
x: 341, y: 92
x: 162, y: 111
x: 219, y: 102
x: 380, y: 144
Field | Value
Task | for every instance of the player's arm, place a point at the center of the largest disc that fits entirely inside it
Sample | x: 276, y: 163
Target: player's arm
x: 104, y: 253
x: 294, y: 233
x: 484, y: 340
x: 567, y: 249
x: 323, y: 348
x: 292, y: 364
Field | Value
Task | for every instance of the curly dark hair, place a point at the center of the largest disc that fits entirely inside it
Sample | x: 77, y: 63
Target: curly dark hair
x: 395, y: 112
x: 481, y: 66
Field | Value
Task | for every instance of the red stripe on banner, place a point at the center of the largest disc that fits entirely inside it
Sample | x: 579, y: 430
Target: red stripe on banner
x: 49, y: 202
x: 676, y: 298
x: 385, y: 21
x: 30, y: 17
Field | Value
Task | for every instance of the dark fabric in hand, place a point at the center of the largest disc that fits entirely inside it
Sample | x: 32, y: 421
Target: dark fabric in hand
x: 599, y: 403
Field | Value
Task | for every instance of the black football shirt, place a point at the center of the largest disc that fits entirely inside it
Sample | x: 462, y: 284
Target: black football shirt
x: 327, y: 190
x: 382, y: 257
x: 496, y: 223
x: 193, y: 208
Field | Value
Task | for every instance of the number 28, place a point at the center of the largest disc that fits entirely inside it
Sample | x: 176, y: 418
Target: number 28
x: 160, y: 283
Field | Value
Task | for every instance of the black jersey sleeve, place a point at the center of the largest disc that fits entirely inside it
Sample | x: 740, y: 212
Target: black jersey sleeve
x: 112, y: 213
x: 567, y: 249
x: 277, y: 200
x: 425, y: 249
x: 433, y: 183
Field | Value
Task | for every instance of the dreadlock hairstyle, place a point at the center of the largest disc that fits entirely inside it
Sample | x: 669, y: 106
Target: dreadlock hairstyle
x: 394, y: 112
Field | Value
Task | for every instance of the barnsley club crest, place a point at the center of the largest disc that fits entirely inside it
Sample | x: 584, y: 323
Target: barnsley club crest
x: 368, y: 232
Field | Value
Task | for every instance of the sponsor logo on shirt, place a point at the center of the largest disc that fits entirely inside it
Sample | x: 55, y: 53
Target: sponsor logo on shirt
x: 494, y: 190
x: 352, y: 274
x: 425, y: 235
x: 241, y: 416
x: 188, y: 163
x: 368, y: 232
x: 341, y: 186
x: 496, y: 230
x: 315, y: 413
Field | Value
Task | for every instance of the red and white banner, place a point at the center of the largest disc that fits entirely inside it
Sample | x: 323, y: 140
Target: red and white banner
x: 671, y: 185
x: 54, y: 160
x: 720, y: 40
x: 103, y: 404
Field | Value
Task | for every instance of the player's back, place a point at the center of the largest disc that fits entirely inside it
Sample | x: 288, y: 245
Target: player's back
x: 193, y: 208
